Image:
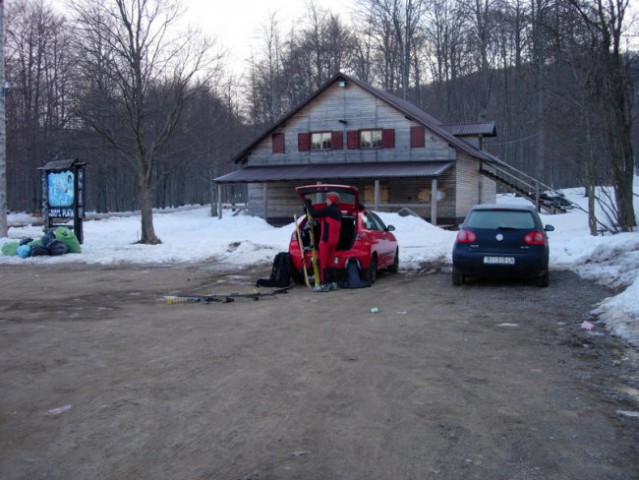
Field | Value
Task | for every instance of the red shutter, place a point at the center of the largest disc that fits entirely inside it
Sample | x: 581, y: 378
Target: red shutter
x: 417, y: 136
x: 352, y: 139
x: 277, y: 140
x: 304, y: 142
x: 336, y: 140
x: 388, y: 138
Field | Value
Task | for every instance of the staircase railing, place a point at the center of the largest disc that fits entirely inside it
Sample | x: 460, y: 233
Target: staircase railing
x: 526, y: 186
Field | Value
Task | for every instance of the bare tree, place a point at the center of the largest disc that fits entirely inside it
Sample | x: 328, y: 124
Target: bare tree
x: 397, y: 23
x: 612, y: 89
x: 4, y: 227
x: 39, y: 68
x: 138, y: 74
x: 481, y: 14
x: 444, y: 28
x: 323, y: 46
x: 267, y: 81
x: 362, y: 66
x: 287, y: 70
x: 327, y: 42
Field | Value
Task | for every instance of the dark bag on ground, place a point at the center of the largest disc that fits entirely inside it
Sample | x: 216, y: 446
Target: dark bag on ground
x: 281, y: 273
x: 353, y: 278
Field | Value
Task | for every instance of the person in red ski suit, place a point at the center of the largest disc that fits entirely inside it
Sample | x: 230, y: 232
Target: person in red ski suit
x: 331, y: 221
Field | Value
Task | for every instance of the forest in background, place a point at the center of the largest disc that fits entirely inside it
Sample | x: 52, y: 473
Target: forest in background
x: 533, y: 66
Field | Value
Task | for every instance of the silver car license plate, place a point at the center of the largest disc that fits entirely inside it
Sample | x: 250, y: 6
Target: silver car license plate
x: 499, y: 260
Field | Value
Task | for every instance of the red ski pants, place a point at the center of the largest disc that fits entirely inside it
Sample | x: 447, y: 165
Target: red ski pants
x: 326, y: 254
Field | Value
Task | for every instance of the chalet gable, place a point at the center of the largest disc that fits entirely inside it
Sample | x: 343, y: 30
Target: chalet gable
x: 398, y: 156
x: 349, y: 121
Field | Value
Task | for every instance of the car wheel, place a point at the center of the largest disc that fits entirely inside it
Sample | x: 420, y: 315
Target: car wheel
x: 544, y: 280
x: 458, y: 278
x: 371, y: 273
x: 394, y: 268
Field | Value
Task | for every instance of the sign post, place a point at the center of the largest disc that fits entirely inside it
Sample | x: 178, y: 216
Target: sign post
x: 63, y: 194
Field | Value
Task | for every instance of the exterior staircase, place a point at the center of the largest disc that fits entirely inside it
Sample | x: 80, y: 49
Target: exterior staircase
x: 541, y: 195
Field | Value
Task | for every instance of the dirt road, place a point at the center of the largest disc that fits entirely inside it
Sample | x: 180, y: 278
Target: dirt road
x: 100, y: 380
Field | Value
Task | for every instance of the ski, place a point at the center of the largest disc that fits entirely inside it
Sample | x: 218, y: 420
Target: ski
x: 224, y: 297
x: 302, y: 252
x: 314, y: 259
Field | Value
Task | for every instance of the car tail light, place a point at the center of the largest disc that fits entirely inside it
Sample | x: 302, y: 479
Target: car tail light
x: 466, y: 236
x: 535, y: 238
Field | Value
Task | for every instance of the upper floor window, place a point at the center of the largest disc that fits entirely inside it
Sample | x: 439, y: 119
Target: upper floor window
x: 417, y: 136
x: 370, y: 138
x: 321, y: 141
x: 277, y: 142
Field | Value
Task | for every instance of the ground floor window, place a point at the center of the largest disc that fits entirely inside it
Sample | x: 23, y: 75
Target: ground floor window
x: 369, y: 194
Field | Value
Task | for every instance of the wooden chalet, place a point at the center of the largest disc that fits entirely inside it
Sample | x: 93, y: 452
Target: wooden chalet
x: 347, y: 132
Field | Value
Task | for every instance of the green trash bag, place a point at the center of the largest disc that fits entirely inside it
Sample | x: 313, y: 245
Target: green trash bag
x: 10, y: 249
x: 66, y: 236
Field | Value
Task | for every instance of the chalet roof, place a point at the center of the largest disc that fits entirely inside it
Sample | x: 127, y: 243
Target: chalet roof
x: 278, y: 173
x: 411, y: 112
x: 484, y: 129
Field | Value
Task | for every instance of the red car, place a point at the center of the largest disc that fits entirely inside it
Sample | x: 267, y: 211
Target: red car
x: 363, y: 235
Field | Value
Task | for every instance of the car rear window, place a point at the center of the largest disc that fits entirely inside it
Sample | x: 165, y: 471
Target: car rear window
x: 505, y: 219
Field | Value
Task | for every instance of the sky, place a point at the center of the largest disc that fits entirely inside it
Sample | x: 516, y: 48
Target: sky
x: 190, y: 235
x: 239, y: 24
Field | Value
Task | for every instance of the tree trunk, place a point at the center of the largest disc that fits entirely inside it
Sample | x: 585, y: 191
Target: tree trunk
x: 4, y: 224
x: 612, y: 89
x: 623, y: 173
x: 146, y: 210
x: 619, y: 138
x: 592, y: 216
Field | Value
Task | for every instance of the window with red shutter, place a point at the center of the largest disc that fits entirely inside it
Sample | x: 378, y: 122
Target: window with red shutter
x: 304, y: 142
x: 352, y: 139
x: 388, y: 138
x: 370, y: 138
x: 337, y: 140
x: 321, y: 141
x: 417, y: 136
x: 277, y: 140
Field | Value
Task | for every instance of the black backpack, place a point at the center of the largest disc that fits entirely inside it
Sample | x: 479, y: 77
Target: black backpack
x: 353, y: 278
x: 281, y: 273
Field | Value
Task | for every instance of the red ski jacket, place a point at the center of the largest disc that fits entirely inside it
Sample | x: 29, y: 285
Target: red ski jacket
x: 332, y: 223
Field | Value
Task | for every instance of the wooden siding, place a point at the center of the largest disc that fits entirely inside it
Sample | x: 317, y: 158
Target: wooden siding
x: 488, y: 187
x: 360, y: 110
x: 281, y: 202
x: 412, y: 193
x: 471, y: 187
x: 446, y: 207
x: 256, y: 201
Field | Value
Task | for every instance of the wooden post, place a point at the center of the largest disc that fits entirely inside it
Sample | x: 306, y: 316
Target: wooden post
x: 433, y: 201
x: 265, y: 193
x: 219, y: 200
